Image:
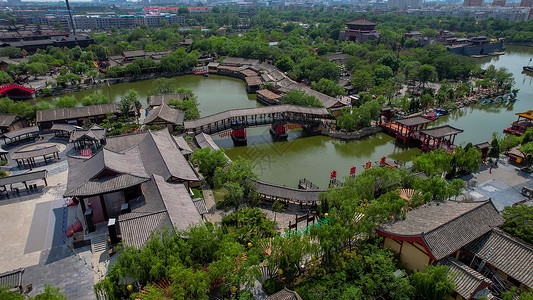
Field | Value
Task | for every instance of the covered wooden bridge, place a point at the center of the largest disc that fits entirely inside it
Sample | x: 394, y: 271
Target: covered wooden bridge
x: 27, y: 157
x: 272, y: 192
x: 23, y: 178
x: 242, y: 118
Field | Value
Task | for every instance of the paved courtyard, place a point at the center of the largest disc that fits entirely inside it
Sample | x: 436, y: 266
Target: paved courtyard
x: 32, y: 226
x: 502, y: 184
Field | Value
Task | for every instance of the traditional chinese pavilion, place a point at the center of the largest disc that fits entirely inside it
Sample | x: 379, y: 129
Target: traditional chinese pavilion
x: 406, y: 129
x: 520, y: 126
x: 439, y: 137
x: 360, y: 30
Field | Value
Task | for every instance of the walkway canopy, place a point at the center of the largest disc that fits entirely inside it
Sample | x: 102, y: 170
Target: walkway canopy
x: 20, y: 134
x: 92, y: 136
x: 64, y: 129
x: 274, y: 191
x: 28, y: 156
x: 258, y: 116
x: 24, y: 178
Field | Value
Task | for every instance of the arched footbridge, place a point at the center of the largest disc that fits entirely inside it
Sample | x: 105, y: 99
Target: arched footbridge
x: 240, y: 119
x: 16, y: 91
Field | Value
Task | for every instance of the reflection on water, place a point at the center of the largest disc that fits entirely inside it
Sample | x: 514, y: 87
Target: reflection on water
x: 315, y: 157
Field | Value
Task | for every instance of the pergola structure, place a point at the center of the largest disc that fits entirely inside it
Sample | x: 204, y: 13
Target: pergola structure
x: 519, y: 127
x: 28, y: 156
x: 439, y: 137
x: 406, y: 129
x: 24, y: 178
x: 94, y: 136
x: 64, y: 130
x: 21, y: 134
x: 272, y: 192
x: 3, y: 154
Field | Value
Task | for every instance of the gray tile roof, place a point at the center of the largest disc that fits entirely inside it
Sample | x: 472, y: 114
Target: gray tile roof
x: 412, y: 121
x: 441, y: 131
x: 180, y: 207
x: 206, y: 141
x: 95, y: 133
x: 7, y: 119
x: 37, y: 175
x: 361, y: 21
x: 155, y: 100
x: 183, y: 145
x: 254, y: 111
x: 509, y: 254
x: 138, y: 228
x: 120, y: 143
x: 446, y: 226
x: 104, y: 172
x: 58, y: 114
x: 163, y: 206
x: 35, y: 152
x: 285, y: 192
x: 64, y: 127
x: 467, y: 281
x: 21, y: 131
x: 164, y: 113
x: 161, y: 156
x: 284, y: 294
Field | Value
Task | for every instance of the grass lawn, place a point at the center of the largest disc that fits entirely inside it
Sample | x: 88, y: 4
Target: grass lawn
x: 219, y: 195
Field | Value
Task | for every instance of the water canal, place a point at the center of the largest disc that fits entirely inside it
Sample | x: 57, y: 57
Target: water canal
x: 315, y: 157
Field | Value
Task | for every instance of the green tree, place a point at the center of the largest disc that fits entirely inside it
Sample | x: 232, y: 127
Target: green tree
x: 433, y: 284
x: 285, y: 63
x: 519, y: 221
x: 277, y: 207
x: 66, y: 101
x: 361, y: 80
x: 208, y: 162
x: 5, y: 78
x: 328, y: 87
x: 433, y: 163
x: 183, y: 11
x: 297, y: 97
x: 37, y: 69
x: 495, y: 151
x: 130, y: 102
x: 163, y: 85
x: 95, y: 99
x: 425, y: 74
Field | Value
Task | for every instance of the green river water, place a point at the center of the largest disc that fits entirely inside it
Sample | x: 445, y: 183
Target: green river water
x: 315, y: 157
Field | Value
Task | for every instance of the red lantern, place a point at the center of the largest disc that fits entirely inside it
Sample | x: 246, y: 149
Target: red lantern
x: 333, y: 174
x: 352, y: 170
x: 383, y: 159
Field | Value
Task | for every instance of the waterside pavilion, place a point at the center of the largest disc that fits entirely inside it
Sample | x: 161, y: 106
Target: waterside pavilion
x: 520, y: 126
x: 439, y: 137
x: 406, y: 129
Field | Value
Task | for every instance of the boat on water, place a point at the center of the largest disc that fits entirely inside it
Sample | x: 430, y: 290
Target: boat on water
x: 528, y: 68
x: 431, y: 115
x: 441, y: 111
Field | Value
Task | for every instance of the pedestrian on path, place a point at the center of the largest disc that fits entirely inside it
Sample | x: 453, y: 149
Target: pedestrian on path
x: 490, y: 170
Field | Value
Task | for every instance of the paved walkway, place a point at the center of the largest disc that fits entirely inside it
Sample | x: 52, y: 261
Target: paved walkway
x: 502, y: 184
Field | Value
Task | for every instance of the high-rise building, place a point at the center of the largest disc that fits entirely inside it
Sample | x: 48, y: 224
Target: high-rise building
x: 405, y: 4
x: 526, y: 3
x: 473, y: 2
x: 499, y: 3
